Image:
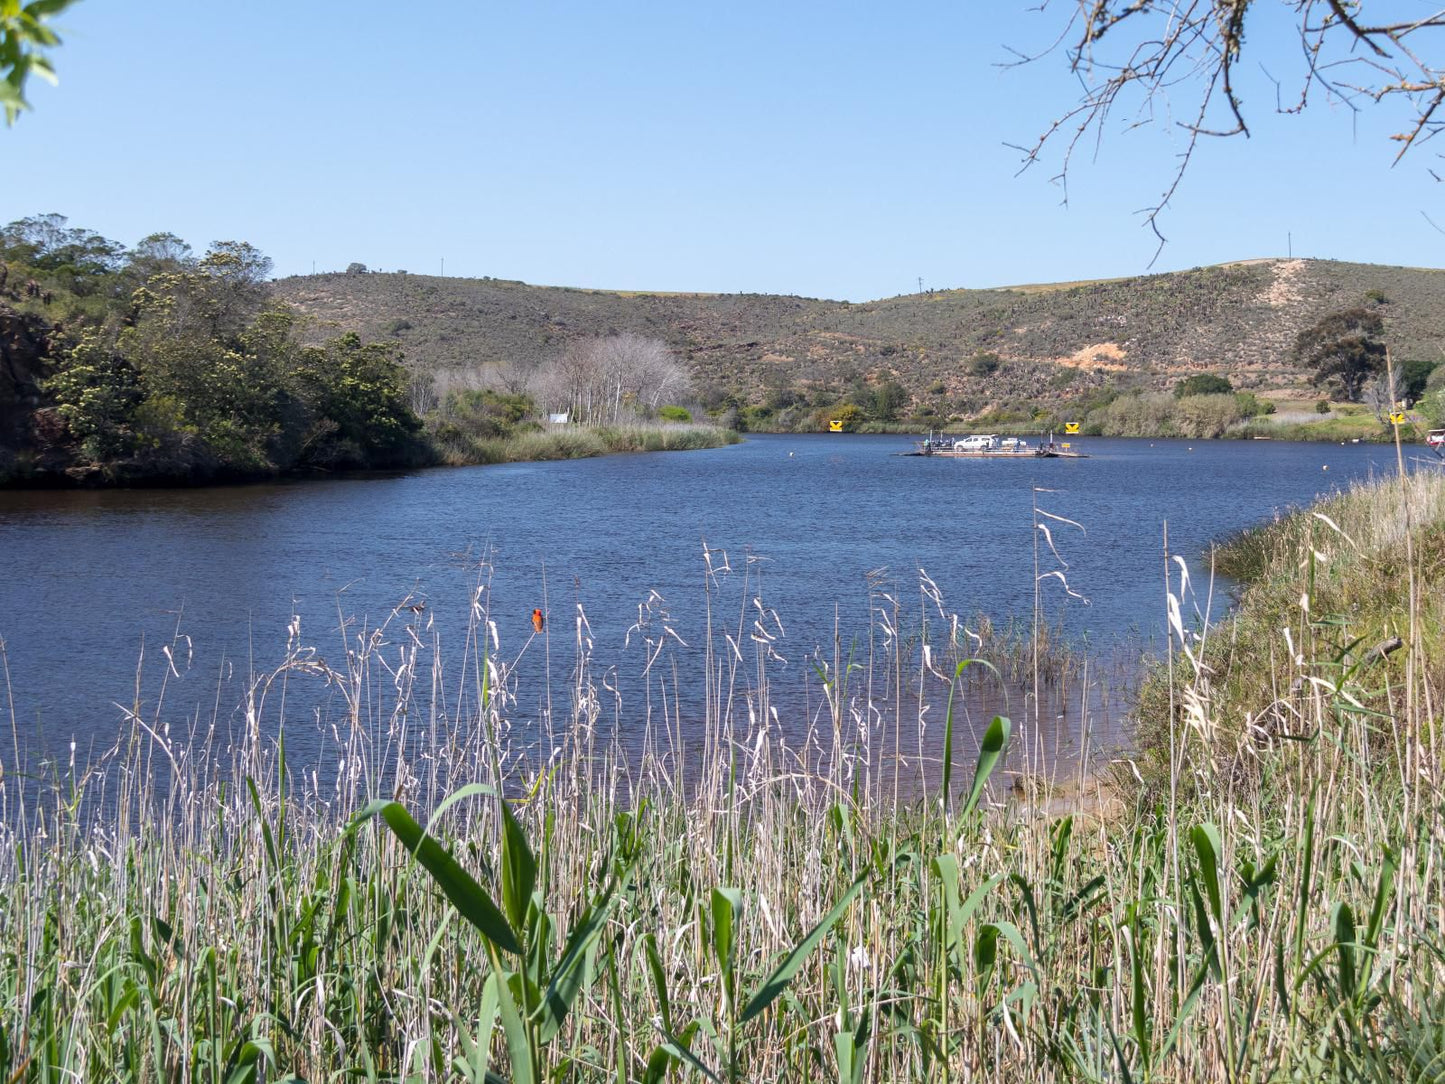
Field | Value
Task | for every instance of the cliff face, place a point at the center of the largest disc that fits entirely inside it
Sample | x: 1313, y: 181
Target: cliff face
x: 24, y: 349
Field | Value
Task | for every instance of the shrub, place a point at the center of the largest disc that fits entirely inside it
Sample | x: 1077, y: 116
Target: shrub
x: 1206, y: 416
x: 674, y: 414
x: 1134, y: 416
x: 1251, y: 405
x: 1203, y: 384
x: 984, y: 364
x: 850, y: 414
x: 1414, y: 375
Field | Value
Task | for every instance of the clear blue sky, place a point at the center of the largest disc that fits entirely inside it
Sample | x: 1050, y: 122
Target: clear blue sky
x: 833, y: 150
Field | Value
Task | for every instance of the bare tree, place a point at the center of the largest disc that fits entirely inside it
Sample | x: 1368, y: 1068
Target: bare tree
x: 1384, y: 392
x: 422, y: 393
x: 516, y: 376
x: 604, y: 380
x: 1139, y: 54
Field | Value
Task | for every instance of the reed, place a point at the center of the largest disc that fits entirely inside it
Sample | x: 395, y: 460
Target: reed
x: 454, y: 891
x: 457, y: 448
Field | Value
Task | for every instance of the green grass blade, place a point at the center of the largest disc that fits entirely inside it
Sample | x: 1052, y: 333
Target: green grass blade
x: 727, y: 904
x: 659, y: 979
x: 990, y: 752
x: 468, y: 897
x: 570, y: 975
x: 778, y: 981
x: 519, y: 1045
x: 519, y: 869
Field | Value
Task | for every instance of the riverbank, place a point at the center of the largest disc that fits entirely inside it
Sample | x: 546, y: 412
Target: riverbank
x: 580, y: 442
x: 1344, y: 429
x: 543, y: 445
x: 730, y: 904
x: 1342, y: 614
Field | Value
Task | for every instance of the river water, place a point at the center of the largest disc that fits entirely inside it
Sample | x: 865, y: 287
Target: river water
x: 827, y: 533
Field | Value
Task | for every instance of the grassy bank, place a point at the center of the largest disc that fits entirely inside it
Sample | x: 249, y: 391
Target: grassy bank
x: 578, y: 442
x: 1342, y: 614
x: 713, y: 904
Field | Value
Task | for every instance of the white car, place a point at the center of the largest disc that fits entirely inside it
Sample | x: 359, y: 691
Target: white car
x: 975, y: 443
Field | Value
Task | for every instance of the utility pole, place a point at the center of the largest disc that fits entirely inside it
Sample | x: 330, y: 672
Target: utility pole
x: 920, y: 284
x: 1290, y: 242
x: 444, y: 267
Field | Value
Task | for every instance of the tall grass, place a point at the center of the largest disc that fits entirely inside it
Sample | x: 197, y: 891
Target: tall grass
x: 448, y: 896
x: 579, y: 442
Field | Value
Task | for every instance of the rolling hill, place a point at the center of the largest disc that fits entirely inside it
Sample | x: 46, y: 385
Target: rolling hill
x: 1052, y: 343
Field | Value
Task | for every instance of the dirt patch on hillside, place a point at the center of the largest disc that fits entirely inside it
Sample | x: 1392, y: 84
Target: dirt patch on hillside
x: 1107, y: 356
x: 1285, y: 289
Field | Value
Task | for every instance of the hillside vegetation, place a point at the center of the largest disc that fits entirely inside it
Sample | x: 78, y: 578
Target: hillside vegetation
x: 952, y: 355
x: 154, y: 365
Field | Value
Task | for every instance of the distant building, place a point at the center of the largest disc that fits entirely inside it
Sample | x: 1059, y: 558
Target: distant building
x: 560, y: 419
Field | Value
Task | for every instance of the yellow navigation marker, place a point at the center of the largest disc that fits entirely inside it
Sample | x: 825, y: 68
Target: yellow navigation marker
x: 835, y: 425
x: 1397, y: 417
x: 1071, y: 427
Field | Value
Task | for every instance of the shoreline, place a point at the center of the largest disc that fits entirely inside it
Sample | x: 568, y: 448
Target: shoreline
x: 573, y: 444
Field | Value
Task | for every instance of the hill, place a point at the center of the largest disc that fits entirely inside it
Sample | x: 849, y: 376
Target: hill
x: 1052, y: 344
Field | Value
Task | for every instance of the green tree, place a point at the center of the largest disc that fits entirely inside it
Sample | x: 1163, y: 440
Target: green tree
x: 97, y: 391
x: 356, y: 394
x: 158, y: 254
x: 194, y: 344
x: 78, y: 260
x: 1432, y: 399
x: 1343, y: 351
x: 1414, y: 374
x: 1203, y: 384
x: 888, y: 398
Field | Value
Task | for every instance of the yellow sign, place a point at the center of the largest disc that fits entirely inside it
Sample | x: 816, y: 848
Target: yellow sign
x: 835, y: 426
x: 1397, y: 417
x: 1071, y: 427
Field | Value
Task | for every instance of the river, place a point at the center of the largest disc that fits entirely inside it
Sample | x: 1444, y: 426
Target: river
x: 826, y: 532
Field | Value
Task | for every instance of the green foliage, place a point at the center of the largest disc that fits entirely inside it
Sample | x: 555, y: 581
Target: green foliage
x: 97, y: 392
x: 1414, y: 374
x: 1203, y: 384
x: 886, y: 400
x: 983, y: 364
x: 181, y: 368
x: 1322, y: 407
x: 356, y: 395
x: 1253, y: 406
x: 1432, y: 400
x: 674, y: 414
x: 850, y: 414
x: 1134, y: 416
x: 25, y: 35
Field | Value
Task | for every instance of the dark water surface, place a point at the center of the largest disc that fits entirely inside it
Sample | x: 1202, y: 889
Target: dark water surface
x: 89, y: 577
